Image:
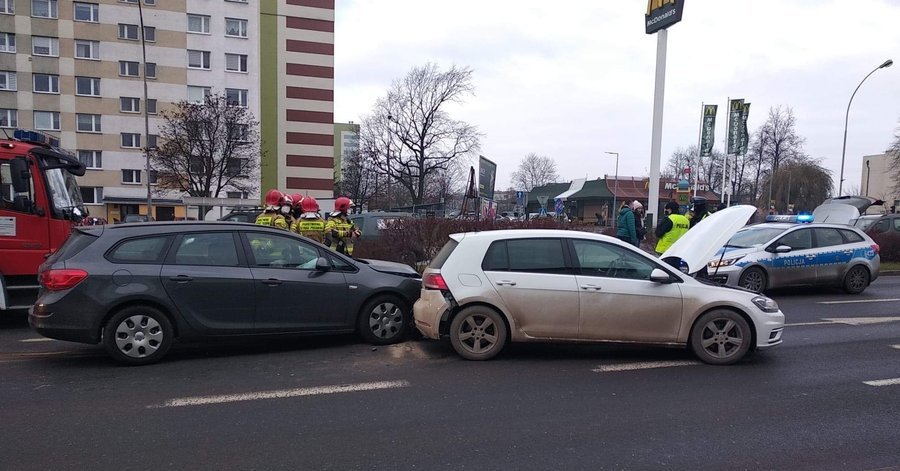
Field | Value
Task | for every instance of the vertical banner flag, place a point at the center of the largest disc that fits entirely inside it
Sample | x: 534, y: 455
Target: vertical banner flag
x: 487, y: 175
x: 708, y: 130
x: 745, y: 137
x: 735, y: 123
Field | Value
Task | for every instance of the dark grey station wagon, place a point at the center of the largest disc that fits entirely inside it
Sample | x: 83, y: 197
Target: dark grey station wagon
x: 137, y: 287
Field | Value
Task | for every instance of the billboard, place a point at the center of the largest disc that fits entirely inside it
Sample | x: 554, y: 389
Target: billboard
x: 662, y: 13
x: 487, y: 176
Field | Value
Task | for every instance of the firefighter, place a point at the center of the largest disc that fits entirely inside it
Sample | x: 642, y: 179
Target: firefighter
x: 340, y: 230
x: 297, y: 209
x: 671, y: 228
x: 698, y: 210
x: 310, y: 224
x: 272, y: 215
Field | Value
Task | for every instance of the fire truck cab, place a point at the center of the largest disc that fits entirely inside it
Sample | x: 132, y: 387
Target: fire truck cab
x: 40, y: 202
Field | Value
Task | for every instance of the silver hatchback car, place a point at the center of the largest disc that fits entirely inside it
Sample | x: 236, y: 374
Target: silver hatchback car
x: 776, y: 255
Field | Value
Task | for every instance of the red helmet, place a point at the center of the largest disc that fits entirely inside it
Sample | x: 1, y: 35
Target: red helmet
x: 342, y: 204
x: 309, y: 205
x: 286, y: 200
x: 297, y: 198
x: 273, y: 198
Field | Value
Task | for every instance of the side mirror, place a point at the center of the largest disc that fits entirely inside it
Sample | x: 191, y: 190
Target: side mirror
x: 322, y: 264
x: 660, y: 276
x: 20, y: 175
x: 782, y: 249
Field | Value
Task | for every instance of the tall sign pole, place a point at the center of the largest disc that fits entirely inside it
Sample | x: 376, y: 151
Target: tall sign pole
x: 660, y: 15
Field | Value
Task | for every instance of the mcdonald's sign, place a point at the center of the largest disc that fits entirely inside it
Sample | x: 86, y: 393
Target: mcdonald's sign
x: 663, y: 13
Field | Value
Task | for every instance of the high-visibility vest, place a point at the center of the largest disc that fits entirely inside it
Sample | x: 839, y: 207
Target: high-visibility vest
x: 271, y: 220
x: 680, y: 226
x: 312, y: 227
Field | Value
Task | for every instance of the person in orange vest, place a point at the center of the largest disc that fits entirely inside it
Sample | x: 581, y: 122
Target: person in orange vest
x: 272, y: 216
x: 310, y: 224
x: 340, y: 230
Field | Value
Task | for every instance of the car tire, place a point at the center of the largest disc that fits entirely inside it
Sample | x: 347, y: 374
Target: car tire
x: 754, y: 279
x: 384, y: 320
x: 721, y: 337
x: 138, y: 335
x: 478, y: 333
x: 856, y: 280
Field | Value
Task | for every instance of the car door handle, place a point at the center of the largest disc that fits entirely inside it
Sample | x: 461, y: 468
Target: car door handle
x: 506, y: 283
x: 272, y: 282
x: 591, y: 287
x: 180, y: 278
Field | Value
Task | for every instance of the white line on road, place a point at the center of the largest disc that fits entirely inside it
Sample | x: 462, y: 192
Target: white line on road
x: 896, y: 346
x: 39, y: 339
x: 855, y: 321
x: 883, y: 382
x: 808, y: 323
x: 281, y: 393
x: 645, y: 365
x: 856, y: 301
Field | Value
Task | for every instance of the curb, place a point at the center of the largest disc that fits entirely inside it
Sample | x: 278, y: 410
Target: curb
x: 889, y: 273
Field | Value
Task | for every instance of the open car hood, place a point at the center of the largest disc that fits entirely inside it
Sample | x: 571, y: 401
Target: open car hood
x: 701, y: 242
x: 837, y: 213
x: 861, y: 203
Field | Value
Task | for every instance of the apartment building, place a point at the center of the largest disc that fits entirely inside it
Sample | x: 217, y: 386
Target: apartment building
x: 75, y: 69
x: 346, y: 144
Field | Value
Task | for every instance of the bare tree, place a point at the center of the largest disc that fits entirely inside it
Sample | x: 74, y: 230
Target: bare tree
x: 781, y: 140
x: 411, y: 132
x: 802, y: 182
x: 208, y: 148
x: 534, y: 171
x: 708, y: 169
x: 358, y: 177
x: 893, y: 152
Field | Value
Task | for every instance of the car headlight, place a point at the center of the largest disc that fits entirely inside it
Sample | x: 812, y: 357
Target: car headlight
x: 725, y: 262
x: 765, y: 304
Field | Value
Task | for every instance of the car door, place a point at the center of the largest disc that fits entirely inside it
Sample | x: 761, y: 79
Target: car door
x: 832, y: 255
x: 536, y: 284
x: 291, y: 295
x: 207, y: 278
x: 618, y: 300
x: 796, y: 267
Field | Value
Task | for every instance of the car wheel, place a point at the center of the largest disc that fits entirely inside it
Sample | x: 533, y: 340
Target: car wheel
x: 138, y: 335
x: 720, y: 337
x: 384, y: 320
x: 478, y: 333
x: 856, y: 280
x: 753, y: 279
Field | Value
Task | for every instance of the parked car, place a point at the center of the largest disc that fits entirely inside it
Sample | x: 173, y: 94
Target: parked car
x: 136, y: 288
x: 864, y: 222
x: 486, y: 289
x: 888, y: 223
x: 243, y: 214
x: 130, y: 218
x: 372, y: 223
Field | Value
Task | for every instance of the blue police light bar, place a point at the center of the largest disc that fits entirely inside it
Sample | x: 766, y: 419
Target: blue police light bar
x: 35, y: 137
x: 805, y: 218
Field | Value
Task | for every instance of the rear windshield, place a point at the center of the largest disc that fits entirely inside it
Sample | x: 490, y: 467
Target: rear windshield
x: 76, y: 242
x: 438, y: 261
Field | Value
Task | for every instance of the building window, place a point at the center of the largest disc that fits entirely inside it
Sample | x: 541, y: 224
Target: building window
x: 127, y: 31
x: 150, y: 70
x: 92, y: 194
x: 239, y: 133
x: 235, y: 27
x: 44, y: 46
x: 44, y: 8
x: 236, y: 62
x: 87, y: 122
x: 151, y: 105
x: 131, y: 176
x: 150, y: 34
x: 129, y: 104
x: 89, y: 12
x: 7, y: 42
x: 198, y: 59
x: 87, y: 86
x: 129, y: 1
x: 92, y: 159
x: 236, y: 194
x: 198, y: 24
x: 129, y: 69
x: 151, y: 142
x: 153, y: 176
x: 46, y: 83
x: 197, y: 94
x: 150, y: 2
x: 131, y: 140
x: 236, y: 96
x: 46, y: 120
x: 8, y: 7
x: 7, y: 81
x: 9, y: 118
x: 236, y: 1
x: 85, y: 49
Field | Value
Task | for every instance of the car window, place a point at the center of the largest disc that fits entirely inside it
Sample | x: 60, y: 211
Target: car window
x: 276, y: 251
x: 827, y: 237
x: 496, y: 259
x: 882, y: 226
x: 339, y: 264
x: 438, y: 261
x: 753, y: 237
x: 797, y: 240
x: 142, y: 250
x: 612, y: 261
x: 214, y: 249
x: 897, y: 224
x: 851, y: 236
x: 536, y: 255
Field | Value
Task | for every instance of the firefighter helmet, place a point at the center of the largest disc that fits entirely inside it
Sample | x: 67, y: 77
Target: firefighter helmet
x: 342, y: 204
x: 273, y: 198
x: 297, y: 199
x: 309, y: 205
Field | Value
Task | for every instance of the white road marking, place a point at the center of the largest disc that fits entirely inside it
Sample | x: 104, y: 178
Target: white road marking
x: 809, y: 323
x: 857, y: 321
x: 896, y: 346
x: 856, y: 301
x: 39, y: 339
x: 281, y: 393
x: 644, y: 365
x: 883, y: 382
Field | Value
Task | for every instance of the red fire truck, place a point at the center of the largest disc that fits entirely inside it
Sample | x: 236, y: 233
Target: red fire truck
x: 39, y: 204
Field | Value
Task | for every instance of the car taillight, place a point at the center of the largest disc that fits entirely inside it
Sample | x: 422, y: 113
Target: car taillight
x: 58, y: 280
x: 876, y: 248
x: 434, y: 281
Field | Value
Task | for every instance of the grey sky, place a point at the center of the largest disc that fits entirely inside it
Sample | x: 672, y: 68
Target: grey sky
x: 574, y: 78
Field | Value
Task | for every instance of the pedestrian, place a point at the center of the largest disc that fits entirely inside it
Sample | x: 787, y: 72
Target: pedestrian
x: 626, y: 231
x: 340, y: 230
x: 272, y: 216
x: 671, y: 228
x: 639, y: 228
x: 698, y: 210
x: 310, y: 224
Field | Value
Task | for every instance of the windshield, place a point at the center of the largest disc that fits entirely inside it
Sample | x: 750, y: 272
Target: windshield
x: 753, y: 237
x: 864, y: 223
x: 64, y: 194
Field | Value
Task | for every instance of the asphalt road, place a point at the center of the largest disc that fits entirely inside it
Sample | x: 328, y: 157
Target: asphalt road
x: 822, y: 400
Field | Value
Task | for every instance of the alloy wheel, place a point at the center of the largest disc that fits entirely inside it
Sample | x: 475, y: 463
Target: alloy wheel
x: 722, y: 337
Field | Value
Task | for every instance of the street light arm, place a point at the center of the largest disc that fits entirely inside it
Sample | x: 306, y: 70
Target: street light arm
x: 847, y: 119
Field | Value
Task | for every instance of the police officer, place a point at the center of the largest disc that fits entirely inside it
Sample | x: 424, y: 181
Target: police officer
x: 698, y: 210
x: 671, y: 228
x: 272, y: 215
x: 310, y: 224
x: 339, y: 229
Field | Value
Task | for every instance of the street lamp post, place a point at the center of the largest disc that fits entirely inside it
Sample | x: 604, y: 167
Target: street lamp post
x: 886, y: 63
x: 146, y: 113
x: 616, y: 189
x: 868, y: 173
